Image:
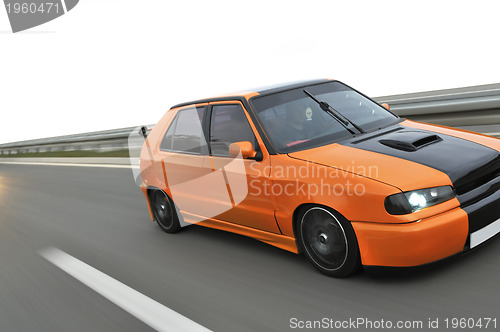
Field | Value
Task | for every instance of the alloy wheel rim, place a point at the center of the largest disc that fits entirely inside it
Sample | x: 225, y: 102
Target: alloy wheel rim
x: 163, y: 210
x: 324, y: 238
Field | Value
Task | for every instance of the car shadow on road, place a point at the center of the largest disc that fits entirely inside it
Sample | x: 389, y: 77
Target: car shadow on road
x: 249, y: 246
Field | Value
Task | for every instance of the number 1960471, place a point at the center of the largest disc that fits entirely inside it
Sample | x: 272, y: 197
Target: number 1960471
x: 32, y: 8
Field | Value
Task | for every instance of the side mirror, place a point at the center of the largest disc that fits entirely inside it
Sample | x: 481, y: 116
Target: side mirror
x: 245, y: 147
x: 386, y: 106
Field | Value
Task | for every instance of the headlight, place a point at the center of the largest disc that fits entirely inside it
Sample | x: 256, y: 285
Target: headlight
x: 416, y: 200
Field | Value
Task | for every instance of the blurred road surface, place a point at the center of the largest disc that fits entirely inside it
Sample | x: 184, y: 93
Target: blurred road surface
x: 222, y: 281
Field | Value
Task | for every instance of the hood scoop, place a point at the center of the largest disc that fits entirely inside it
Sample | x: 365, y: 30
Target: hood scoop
x: 410, y: 140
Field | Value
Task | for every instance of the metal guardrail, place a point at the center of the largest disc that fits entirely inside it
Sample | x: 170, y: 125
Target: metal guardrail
x: 101, y: 140
x: 107, y: 140
x: 475, y: 108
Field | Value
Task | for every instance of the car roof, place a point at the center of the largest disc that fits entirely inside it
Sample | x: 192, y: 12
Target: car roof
x: 254, y: 92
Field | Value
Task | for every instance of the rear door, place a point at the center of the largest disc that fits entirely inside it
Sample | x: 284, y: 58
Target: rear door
x: 184, y: 156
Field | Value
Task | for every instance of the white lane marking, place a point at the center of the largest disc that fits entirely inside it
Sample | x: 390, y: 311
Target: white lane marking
x: 484, y: 233
x: 67, y: 164
x: 153, y: 313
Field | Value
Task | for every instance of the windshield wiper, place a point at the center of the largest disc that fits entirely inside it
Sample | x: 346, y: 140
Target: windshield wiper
x: 335, y: 114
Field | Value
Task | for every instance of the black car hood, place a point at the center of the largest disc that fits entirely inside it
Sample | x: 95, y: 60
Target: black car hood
x: 465, y: 162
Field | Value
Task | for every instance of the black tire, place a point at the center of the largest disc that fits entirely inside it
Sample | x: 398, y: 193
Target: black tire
x: 329, y: 241
x: 164, y: 212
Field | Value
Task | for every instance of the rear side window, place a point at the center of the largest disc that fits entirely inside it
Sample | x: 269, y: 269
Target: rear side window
x: 185, y: 133
x: 229, y: 124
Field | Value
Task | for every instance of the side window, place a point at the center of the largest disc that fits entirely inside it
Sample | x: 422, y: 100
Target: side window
x: 185, y: 133
x: 229, y: 124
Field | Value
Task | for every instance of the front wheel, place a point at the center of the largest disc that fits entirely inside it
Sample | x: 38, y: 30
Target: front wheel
x: 164, y: 212
x: 329, y: 242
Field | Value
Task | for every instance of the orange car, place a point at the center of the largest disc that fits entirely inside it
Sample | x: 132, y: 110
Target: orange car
x: 319, y: 168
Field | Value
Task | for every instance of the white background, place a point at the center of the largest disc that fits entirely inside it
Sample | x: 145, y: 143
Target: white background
x: 117, y: 63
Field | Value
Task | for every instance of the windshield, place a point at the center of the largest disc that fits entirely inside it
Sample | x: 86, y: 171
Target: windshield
x: 293, y: 121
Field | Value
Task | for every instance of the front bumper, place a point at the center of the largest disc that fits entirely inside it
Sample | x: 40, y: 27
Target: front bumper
x: 430, y: 239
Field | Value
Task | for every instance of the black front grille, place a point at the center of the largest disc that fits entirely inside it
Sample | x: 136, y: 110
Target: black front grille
x: 478, y: 177
x: 479, y: 194
x: 483, y: 212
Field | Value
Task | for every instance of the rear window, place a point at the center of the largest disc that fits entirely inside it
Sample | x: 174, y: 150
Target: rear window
x: 185, y: 133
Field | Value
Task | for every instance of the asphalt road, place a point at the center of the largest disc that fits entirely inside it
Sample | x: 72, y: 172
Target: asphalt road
x: 222, y: 281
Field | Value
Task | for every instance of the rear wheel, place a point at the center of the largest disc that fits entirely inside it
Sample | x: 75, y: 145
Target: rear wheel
x: 164, y: 212
x: 329, y: 241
